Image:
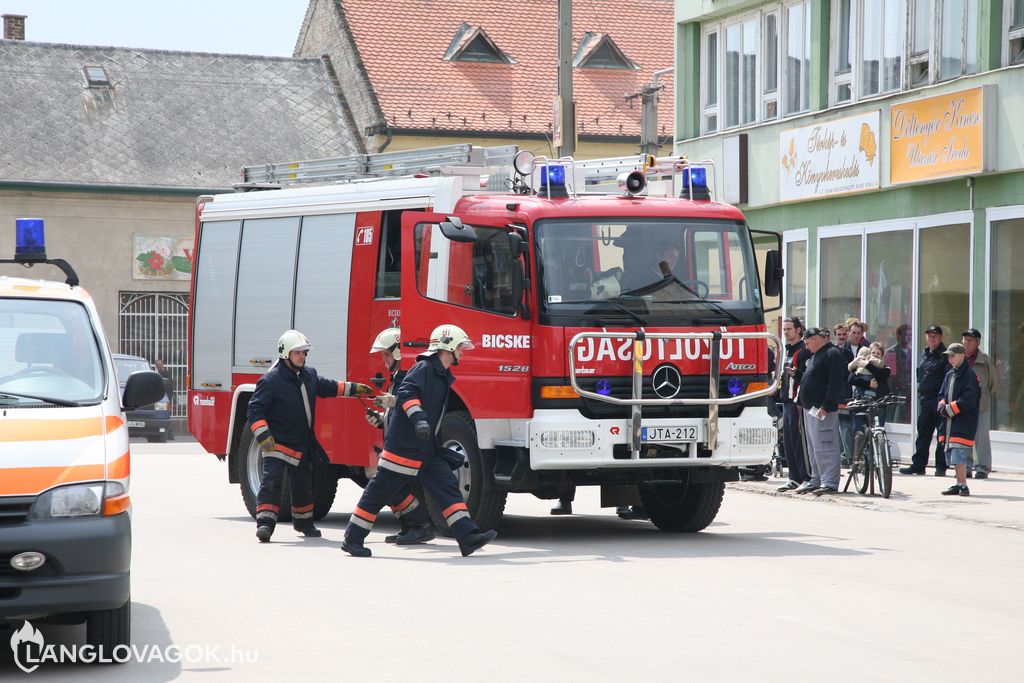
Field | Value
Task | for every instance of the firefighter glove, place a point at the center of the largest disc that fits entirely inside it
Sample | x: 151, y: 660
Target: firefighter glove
x: 385, y: 401
x: 423, y: 432
x: 267, y: 443
x: 359, y: 389
x: 375, y: 419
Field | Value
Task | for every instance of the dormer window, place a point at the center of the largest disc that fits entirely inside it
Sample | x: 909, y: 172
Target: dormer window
x: 599, y: 51
x: 472, y: 44
x: 96, y: 76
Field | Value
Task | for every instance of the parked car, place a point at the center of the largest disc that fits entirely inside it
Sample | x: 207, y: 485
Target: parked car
x: 152, y: 421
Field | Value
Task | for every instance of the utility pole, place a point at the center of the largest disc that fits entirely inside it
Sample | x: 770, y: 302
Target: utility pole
x: 567, y: 109
x: 648, y: 95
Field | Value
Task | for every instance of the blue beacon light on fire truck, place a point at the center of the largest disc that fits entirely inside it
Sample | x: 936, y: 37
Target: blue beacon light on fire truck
x: 29, y: 240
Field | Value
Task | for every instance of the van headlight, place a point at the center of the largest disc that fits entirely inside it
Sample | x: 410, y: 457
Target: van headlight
x: 162, y: 405
x: 77, y: 500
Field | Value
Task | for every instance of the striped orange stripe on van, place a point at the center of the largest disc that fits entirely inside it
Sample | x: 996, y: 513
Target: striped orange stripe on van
x: 27, y: 481
x: 58, y: 430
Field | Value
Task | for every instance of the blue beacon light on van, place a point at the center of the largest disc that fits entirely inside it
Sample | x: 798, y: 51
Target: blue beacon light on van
x: 29, y: 240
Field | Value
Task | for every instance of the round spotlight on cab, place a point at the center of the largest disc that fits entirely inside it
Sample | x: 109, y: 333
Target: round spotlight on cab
x: 26, y: 562
x: 633, y: 183
x: 524, y: 162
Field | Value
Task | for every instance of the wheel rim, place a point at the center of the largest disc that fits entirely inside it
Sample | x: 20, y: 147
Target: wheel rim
x: 463, y: 474
x: 254, y: 467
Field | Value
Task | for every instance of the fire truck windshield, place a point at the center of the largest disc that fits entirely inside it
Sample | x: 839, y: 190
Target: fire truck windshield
x: 652, y: 271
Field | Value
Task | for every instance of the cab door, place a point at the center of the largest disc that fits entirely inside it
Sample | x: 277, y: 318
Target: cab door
x: 468, y: 271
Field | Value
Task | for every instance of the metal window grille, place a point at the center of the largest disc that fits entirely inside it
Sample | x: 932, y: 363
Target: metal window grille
x: 155, y: 325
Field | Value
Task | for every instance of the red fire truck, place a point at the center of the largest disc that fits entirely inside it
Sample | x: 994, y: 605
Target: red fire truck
x: 620, y: 336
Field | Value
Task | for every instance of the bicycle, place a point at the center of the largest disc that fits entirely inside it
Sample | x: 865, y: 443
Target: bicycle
x: 869, y: 465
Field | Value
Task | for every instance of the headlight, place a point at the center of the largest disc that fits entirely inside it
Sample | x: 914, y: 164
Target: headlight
x: 79, y: 500
x: 162, y: 405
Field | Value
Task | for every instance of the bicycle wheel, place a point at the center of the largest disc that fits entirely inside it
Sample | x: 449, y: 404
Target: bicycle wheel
x: 883, y: 465
x: 860, y: 463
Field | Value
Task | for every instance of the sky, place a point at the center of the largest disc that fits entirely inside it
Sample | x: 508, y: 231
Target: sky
x: 259, y: 27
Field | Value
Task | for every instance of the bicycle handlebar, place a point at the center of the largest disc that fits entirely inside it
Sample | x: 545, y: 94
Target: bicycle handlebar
x: 869, y: 404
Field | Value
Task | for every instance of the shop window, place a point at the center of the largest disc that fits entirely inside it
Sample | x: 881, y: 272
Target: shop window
x: 796, y: 279
x: 1005, y: 338
x: 839, y: 269
x: 888, y: 311
x: 944, y: 280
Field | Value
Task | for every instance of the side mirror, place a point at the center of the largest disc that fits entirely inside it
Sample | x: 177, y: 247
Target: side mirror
x: 142, y: 388
x: 773, y: 273
x: 454, y: 230
x: 515, y: 244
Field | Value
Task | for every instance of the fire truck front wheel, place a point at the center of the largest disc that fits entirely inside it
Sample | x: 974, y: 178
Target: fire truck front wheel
x: 476, y: 477
x: 685, y: 507
x: 250, y: 476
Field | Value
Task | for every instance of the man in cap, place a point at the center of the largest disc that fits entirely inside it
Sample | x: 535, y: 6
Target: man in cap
x: 931, y: 369
x: 988, y: 382
x: 957, y: 408
x: 281, y: 415
x: 411, y: 451
x: 820, y: 389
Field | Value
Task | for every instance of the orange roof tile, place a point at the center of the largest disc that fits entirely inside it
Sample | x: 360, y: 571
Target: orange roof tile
x: 402, y: 44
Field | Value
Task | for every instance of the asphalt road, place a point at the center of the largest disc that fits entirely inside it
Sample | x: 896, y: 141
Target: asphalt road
x: 775, y: 589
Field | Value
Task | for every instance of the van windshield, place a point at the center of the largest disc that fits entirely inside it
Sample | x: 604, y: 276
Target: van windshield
x: 48, y: 353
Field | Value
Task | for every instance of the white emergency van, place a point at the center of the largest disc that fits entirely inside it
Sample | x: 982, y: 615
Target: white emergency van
x: 65, y: 525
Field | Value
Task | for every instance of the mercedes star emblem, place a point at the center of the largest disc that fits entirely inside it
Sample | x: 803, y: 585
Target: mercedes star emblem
x: 666, y: 381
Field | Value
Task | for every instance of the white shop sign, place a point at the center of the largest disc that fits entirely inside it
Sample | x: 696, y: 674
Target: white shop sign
x: 835, y: 157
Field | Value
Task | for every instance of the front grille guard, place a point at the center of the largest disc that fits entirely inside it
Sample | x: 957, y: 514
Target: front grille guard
x: 637, y: 401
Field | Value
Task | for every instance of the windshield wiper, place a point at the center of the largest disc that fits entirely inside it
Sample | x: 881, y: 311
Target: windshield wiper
x: 707, y: 302
x: 64, y: 403
x: 620, y: 307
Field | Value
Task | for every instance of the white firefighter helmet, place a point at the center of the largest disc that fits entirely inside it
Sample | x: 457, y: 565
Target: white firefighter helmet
x: 389, y: 340
x: 448, y: 338
x: 291, y: 340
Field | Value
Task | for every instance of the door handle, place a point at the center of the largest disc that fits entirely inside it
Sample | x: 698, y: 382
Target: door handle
x: 416, y: 344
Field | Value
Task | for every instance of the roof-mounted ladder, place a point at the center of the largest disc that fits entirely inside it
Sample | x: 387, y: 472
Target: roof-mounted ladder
x: 462, y: 159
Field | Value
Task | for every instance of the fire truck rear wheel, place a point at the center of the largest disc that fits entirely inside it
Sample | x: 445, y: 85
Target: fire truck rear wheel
x: 250, y: 475
x: 486, y: 504
x: 686, y: 507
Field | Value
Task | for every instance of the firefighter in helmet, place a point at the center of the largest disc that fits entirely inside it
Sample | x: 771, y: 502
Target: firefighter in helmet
x: 411, y: 513
x: 411, y: 450
x: 281, y: 415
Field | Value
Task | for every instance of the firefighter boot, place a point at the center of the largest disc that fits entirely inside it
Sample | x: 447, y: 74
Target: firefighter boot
x: 402, y: 531
x: 475, y: 540
x: 421, y: 533
x: 309, y: 531
x: 263, y: 533
x: 355, y: 548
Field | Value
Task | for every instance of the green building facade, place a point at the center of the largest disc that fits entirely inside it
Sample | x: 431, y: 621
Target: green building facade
x: 885, y: 140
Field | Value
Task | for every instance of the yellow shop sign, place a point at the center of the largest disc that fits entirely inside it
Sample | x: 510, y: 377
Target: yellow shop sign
x: 942, y: 137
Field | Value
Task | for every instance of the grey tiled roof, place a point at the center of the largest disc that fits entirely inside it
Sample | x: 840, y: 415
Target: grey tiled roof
x: 174, y: 119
